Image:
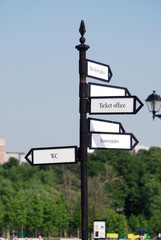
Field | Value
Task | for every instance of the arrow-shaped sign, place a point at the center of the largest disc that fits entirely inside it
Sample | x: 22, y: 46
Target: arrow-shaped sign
x: 115, y: 105
x: 112, y: 141
x: 98, y: 125
x: 52, y: 155
x: 101, y: 90
x: 98, y: 70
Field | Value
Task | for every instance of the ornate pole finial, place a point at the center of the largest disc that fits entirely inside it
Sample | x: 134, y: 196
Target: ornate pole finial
x: 82, y: 28
x: 82, y: 31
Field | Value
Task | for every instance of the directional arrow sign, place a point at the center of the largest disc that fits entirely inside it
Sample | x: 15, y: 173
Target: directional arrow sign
x: 115, y: 105
x: 100, y: 90
x: 117, y: 141
x: 98, y: 70
x: 58, y: 155
x: 97, y: 125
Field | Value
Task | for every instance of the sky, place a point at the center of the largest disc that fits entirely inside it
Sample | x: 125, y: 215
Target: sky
x: 39, y: 75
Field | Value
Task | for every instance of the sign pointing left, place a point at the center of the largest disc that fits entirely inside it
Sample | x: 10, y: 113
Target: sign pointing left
x: 52, y: 155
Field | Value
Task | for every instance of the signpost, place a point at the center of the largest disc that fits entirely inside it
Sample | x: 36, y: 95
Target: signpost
x: 114, y: 105
x: 98, y: 70
x: 120, y: 103
x: 113, y: 141
x: 94, y: 99
x: 82, y: 48
x: 52, y: 155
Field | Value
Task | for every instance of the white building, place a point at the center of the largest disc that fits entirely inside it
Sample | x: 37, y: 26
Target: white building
x: 2, y: 151
x: 18, y: 155
x: 139, y: 147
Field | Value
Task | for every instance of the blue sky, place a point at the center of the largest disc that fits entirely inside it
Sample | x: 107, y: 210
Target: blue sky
x: 39, y: 93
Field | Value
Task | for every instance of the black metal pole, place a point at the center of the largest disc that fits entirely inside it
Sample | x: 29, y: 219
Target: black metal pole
x: 119, y: 210
x: 82, y: 48
x: 119, y: 227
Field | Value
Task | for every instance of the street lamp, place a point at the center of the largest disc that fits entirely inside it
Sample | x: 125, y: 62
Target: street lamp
x: 153, y: 102
x: 119, y: 210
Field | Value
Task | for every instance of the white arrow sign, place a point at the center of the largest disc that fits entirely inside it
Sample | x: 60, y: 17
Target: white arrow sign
x: 56, y: 155
x: 101, y: 90
x: 115, y: 105
x: 98, y: 125
x: 98, y: 70
x: 117, y: 141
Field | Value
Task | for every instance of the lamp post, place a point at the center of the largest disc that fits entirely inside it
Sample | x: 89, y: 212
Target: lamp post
x: 153, y: 102
x: 119, y: 210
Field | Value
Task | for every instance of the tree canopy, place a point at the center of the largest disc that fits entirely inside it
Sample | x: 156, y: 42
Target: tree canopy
x: 46, y: 200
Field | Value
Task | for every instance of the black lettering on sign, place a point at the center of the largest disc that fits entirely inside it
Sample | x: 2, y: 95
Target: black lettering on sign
x: 96, y: 70
x: 109, y: 141
x: 54, y: 155
x: 102, y: 72
x: 105, y: 105
x: 119, y: 105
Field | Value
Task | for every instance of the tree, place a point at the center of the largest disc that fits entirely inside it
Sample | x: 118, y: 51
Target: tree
x: 35, y: 213
x: 9, y: 214
x: 62, y: 217
x: 11, y: 162
x: 20, y: 209
x: 155, y: 222
x: 116, y: 178
x: 70, y: 182
x: 134, y: 223
x: 49, y: 215
x: 77, y: 217
x: 151, y: 195
x: 111, y: 221
x: 98, y: 198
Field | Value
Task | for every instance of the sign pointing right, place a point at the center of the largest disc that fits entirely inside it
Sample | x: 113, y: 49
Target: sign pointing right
x: 115, y: 105
x: 99, y: 125
x: 98, y: 70
x: 103, y: 90
x: 113, y: 141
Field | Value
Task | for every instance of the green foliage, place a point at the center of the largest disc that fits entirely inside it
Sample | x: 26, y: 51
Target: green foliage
x: 134, y: 223
x: 111, y: 221
x: 8, y: 203
x: 11, y: 162
x: 47, y: 200
x: 155, y: 222
x: 35, y: 212
x: 61, y: 215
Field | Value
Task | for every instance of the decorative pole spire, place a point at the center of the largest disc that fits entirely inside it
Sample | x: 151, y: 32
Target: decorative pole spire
x: 82, y: 40
x: 82, y: 28
x: 82, y: 31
